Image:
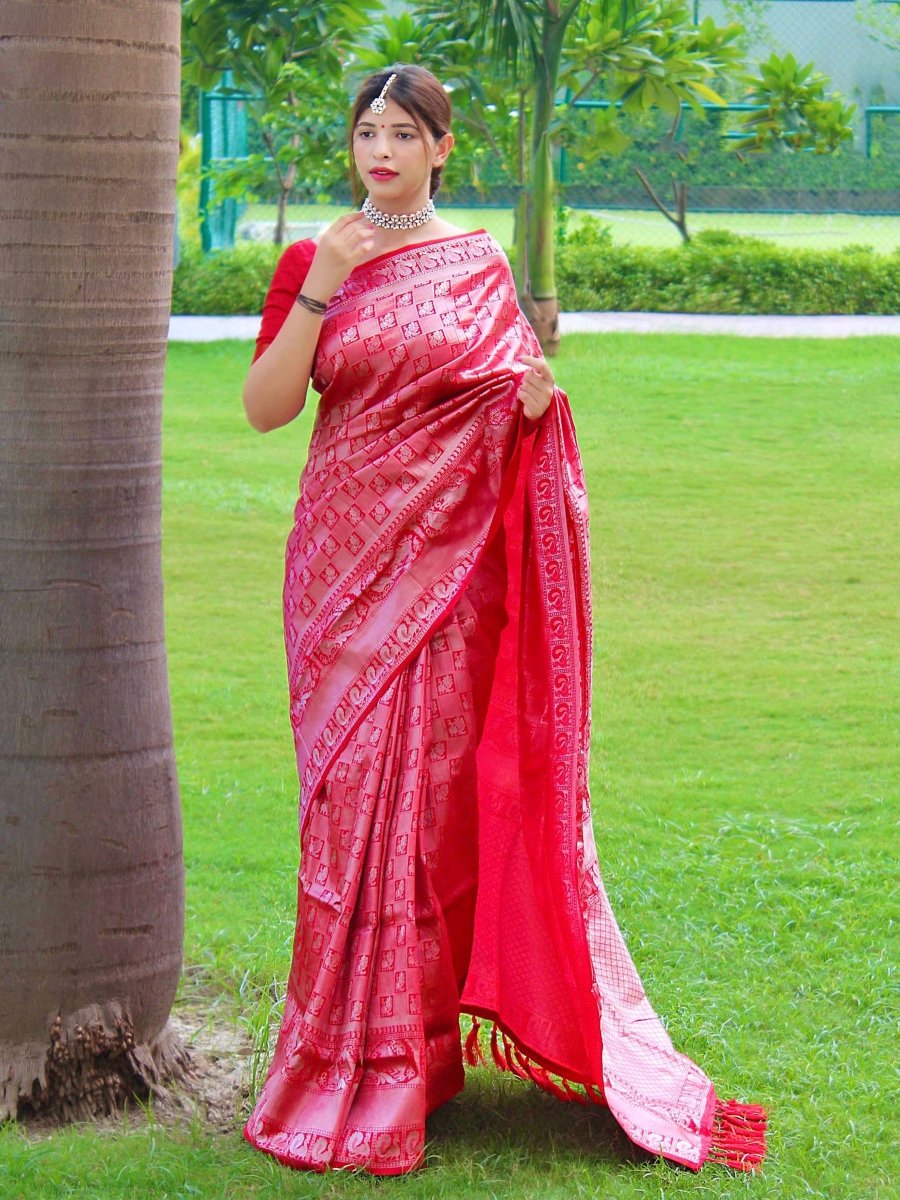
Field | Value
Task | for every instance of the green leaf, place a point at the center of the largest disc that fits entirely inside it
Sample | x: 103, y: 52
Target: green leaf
x: 706, y: 92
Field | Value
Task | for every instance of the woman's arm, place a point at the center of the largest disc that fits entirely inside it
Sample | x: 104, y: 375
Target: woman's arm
x: 276, y: 384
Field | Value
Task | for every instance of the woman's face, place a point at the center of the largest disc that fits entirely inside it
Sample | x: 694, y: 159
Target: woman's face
x: 393, y: 159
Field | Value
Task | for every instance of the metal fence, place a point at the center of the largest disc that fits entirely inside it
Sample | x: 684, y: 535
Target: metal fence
x: 849, y: 197
x: 223, y: 125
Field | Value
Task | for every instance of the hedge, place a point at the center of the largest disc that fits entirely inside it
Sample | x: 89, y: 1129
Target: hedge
x: 717, y: 272
x: 225, y: 282
x: 720, y: 272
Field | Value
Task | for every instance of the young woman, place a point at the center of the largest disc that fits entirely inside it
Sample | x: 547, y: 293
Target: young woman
x: 438, y: 633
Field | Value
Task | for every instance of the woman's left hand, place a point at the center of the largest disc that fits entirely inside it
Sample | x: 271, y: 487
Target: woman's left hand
x: 537, y: 386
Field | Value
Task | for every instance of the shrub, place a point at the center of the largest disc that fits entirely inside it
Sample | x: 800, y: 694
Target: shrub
x: 188, y: 190
x: 226, y: 282
x: 717, y: 272
x: 721, y: 272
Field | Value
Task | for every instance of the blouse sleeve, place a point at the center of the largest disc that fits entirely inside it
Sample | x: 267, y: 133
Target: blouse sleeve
x: 292, y: 269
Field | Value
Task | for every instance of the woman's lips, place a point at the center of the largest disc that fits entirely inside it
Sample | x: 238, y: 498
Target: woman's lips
x: 380, y: 173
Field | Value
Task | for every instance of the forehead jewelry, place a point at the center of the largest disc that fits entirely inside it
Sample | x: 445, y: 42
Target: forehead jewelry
x: 378, y: 105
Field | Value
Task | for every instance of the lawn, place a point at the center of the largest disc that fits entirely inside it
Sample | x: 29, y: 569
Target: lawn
x: 646, y: 227
x: 744, y: 526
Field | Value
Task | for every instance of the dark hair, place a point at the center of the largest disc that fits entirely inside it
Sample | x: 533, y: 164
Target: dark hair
x: 417, y: 92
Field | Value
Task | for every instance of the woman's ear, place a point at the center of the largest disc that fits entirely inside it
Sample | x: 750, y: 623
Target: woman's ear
x: 442, y: 149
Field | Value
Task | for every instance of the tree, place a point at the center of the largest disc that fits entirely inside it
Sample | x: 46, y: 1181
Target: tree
x: 90, y: 837
x: 289, y: 58
x: 644, y: 54
x: 793, y: 113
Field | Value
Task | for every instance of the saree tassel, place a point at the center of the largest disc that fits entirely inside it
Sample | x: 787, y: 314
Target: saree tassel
x: 508, y: 1057
x: 473, y: 1052
x: 512, y: 1056
x: 495, y: 1050
x: 738, y: 1135
x: 537, y: 1074
x: 525, y: 1064
x: 572, y: 1094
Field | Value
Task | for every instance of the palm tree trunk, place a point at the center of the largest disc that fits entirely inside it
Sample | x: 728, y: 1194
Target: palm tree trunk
x: 540, y: 302
x: 520, y: 213
x: 90, y: 827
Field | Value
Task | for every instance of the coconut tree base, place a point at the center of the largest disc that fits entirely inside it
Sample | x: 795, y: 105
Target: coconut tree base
x: 543, y: 316
x: 92, y: 1064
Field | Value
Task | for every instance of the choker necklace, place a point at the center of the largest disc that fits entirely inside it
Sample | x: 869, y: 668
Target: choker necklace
x: 398, y: 220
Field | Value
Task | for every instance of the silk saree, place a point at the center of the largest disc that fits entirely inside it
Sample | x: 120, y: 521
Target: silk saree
x: 437, y: 617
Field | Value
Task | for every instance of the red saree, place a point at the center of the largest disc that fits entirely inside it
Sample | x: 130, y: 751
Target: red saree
x: 438, y: 632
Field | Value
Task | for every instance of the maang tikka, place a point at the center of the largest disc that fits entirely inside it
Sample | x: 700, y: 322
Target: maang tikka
x: 378, y: 105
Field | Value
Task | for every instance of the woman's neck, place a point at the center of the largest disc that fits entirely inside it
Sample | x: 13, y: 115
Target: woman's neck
x: 400, y: 205
x: 388, y: 238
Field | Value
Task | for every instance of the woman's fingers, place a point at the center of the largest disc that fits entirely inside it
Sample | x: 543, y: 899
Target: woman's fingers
x: 351, y: 229
x: 536, y: 390
x: 540, y: 365
x: 348, y: 241
x: 360, y: 233
x: 535, y: 402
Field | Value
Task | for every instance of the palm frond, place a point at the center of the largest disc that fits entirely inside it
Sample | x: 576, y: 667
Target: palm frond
x: 509, y: 32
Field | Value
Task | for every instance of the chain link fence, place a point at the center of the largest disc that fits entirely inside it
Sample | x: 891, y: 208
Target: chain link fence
x: 849, y: 197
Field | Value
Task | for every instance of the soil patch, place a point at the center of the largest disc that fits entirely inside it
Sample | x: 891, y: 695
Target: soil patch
x: 217, y: 1090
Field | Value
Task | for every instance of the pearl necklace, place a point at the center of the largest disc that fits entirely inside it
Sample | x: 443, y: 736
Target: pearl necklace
x: 398, y: 220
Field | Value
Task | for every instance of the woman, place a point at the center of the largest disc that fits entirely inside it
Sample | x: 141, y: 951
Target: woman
x: 438, y: 634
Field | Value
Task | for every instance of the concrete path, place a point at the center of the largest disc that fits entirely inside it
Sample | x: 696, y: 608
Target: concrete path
x: 212, y: 329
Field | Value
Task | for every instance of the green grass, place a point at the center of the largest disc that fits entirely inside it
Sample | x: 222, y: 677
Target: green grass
x: 814, y: 231
x: 744, y: 507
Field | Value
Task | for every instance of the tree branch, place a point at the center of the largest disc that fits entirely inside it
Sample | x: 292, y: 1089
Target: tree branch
x: 269, y: 143
x: 680, y: 190
x: 569, y: 12
x: 589, y: 84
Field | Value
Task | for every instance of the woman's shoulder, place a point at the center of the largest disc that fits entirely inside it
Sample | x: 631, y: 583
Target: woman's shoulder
x: 442, y: 228
x: 300, y: 251
x: 448, y: 230
x: 294, y: 262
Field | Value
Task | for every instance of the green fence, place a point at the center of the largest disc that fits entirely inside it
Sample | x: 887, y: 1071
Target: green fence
x: 223, y: 125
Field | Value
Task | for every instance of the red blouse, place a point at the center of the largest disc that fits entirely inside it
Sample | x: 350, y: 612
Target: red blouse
x: 292, y: 269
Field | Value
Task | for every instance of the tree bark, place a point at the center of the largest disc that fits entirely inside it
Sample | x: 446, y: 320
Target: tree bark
x: 539, y: 301
x: 91, y: 868
x: 281, y: 219
x: 679, y: 190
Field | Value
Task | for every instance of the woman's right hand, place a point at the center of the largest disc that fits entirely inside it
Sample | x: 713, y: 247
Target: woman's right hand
x: 345, y: 244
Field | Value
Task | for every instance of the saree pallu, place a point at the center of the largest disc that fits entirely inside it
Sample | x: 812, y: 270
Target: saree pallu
x: 438, y: 631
